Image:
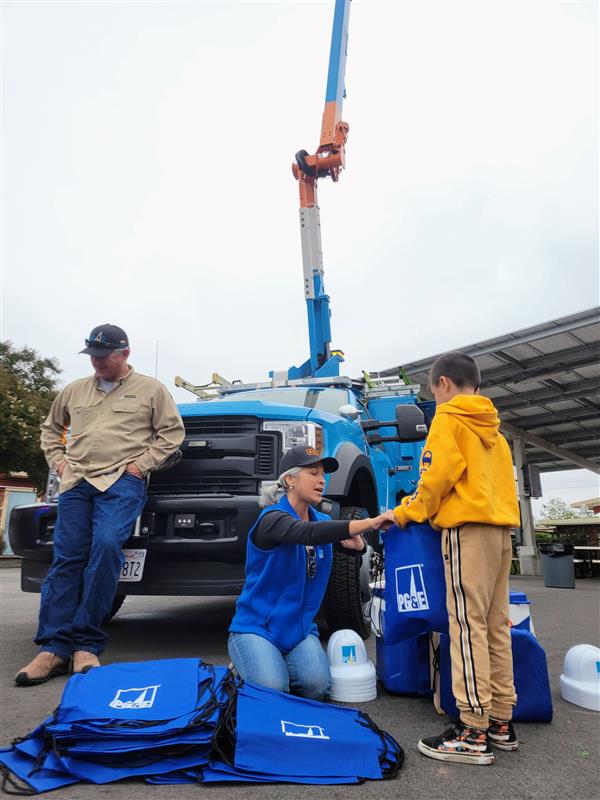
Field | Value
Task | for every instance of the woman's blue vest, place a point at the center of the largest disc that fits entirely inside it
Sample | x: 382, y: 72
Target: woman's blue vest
x: 279, y: 601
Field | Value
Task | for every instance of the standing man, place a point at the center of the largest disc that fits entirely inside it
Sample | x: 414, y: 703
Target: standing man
x: 123, y: 425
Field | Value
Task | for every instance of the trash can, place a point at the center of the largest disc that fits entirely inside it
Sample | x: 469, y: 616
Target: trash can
x: 557, y: 565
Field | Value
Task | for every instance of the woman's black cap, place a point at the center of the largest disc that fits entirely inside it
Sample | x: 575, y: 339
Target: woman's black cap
x: 302, y: 456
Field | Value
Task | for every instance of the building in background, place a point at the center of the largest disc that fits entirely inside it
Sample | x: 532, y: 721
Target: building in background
x: 15, y: 490
x: 593, y: 505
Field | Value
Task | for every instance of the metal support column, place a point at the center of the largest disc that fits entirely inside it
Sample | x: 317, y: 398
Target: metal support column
x: 528, y: 555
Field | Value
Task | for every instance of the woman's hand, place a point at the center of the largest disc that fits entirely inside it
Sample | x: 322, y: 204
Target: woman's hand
x: 356, y: 543
x: 388, y: 520
x: 380, y: 522
x: 383, y: 521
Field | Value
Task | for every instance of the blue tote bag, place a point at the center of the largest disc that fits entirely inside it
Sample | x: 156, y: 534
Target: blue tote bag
x: 27, y: 771
x: 415, y: 586
x: 282, y: 734
x: 145, y: 691
x: 532, y: 684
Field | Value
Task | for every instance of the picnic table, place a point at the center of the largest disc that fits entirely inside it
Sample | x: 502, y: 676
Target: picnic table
x: 590, y: 555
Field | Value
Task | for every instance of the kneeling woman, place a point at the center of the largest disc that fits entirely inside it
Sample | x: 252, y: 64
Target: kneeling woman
x: 273, y: 637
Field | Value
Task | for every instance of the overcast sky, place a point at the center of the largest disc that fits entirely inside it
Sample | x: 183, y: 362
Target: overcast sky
x: 146, y: 177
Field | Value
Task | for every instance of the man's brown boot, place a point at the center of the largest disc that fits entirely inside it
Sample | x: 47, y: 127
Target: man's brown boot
x: 84, y: 661
x: 43, y: 667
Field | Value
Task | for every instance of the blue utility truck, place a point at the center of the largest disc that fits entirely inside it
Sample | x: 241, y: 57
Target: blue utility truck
x: 191, y: 537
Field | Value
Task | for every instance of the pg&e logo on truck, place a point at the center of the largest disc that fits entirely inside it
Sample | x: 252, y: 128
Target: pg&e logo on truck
x: 410, y: 589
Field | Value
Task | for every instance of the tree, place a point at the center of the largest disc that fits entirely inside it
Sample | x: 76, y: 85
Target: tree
x: 27, y: 389
x: 556, y: 508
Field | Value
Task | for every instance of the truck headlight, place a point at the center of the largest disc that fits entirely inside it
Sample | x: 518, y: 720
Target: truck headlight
x: 308, y: 434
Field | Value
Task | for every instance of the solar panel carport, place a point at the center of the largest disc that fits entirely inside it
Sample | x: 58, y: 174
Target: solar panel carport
x: 545, y: 383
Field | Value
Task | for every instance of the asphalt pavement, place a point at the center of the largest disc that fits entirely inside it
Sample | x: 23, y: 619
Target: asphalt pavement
x: 556, y: 760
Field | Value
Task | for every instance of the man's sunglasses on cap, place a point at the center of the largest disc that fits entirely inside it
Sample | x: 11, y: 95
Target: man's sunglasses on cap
x: 105, y: 345
x: 105, y: 339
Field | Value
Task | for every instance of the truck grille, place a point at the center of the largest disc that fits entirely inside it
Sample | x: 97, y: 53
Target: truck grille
x: 210, y: 426
x: 265, y: 455
x: 205, y: 484
x: 221, y: 455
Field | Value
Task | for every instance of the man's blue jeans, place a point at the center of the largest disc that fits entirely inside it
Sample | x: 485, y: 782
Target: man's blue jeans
x: 304, y: 670
x: 79, y: 590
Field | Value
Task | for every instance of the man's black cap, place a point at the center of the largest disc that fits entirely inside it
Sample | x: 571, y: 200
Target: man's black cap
x: 302, y: 456
x: 104, y: 339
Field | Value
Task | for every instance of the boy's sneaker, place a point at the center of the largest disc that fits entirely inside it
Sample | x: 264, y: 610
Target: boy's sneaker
x: 460, y: 743
x: 502, y: 735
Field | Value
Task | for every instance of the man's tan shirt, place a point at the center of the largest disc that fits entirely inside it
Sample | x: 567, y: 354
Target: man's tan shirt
x: 136, y: 422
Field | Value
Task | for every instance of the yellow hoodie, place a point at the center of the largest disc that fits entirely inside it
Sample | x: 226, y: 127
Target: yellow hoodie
x: 466, y: 469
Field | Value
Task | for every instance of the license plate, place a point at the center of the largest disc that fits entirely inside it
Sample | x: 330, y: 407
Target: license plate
x: 133, y: 566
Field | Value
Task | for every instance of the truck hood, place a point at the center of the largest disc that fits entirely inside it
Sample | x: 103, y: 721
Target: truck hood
x: 249, y: 408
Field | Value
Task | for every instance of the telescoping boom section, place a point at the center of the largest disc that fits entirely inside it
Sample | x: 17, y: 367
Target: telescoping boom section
x: 328, y: 161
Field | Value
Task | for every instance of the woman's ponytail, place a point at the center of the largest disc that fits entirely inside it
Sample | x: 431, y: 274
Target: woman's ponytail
x: 273, y: 492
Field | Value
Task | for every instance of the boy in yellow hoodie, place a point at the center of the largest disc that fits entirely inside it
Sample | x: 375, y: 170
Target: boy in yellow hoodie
x: 467, y: 490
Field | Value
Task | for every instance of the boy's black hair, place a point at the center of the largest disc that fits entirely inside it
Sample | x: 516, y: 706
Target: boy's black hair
x: 461, y: 369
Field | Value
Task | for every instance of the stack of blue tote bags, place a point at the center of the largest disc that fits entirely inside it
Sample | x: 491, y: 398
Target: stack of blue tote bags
x: 184, y: 721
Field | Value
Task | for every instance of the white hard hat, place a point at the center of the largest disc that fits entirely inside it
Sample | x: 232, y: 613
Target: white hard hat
x: 580, y: 681
x: 353, y: 677
x: 346, y: 648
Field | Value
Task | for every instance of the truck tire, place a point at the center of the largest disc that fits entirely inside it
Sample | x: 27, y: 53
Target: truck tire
x: 345, y: 599
x: 117, y: 603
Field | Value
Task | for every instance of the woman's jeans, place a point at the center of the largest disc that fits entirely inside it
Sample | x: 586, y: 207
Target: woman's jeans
x: 79, y: 590
x: 304, y: 670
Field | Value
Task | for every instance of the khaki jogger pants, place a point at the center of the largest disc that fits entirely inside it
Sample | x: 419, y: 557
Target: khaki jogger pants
x: 477, y: 561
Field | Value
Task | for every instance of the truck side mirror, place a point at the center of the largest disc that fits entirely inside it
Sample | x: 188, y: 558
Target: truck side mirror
x: 410, y: 422
x: 348, y: 411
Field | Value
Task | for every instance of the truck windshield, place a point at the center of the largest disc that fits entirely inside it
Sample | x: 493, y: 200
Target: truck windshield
x: 323, y: 399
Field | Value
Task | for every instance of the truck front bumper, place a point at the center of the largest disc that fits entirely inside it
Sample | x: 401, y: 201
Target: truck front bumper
x: 195, y: 545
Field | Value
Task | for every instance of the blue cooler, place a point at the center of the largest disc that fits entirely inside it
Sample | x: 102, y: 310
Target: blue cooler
x: 403, y: 668
x: 520, y: 614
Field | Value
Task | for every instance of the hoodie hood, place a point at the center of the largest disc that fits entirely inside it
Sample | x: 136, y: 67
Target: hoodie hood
x: 475, y: 412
